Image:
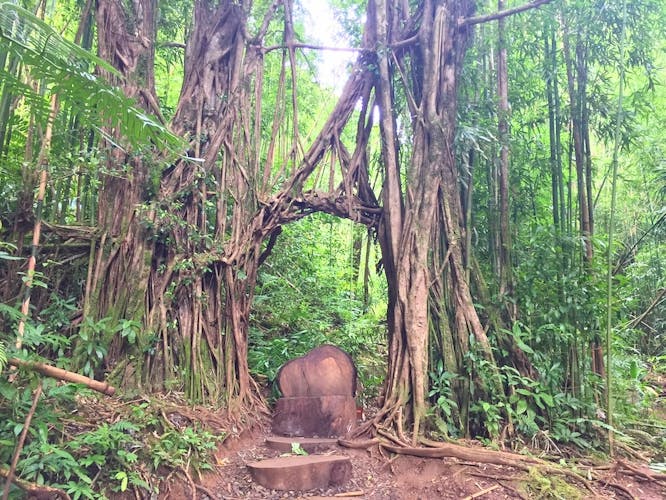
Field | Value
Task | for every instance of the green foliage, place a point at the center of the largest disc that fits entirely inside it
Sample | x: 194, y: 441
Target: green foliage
x: 90, y: 458
x: 534, y: 407
x: 549, y: 487
x: 307, y: 295
x: 182, y: 448
x: 444, y: 400
x: 296, y: 449
x: 66, y: 67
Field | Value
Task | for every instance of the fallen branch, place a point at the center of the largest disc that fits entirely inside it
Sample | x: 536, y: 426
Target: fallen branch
x: 60, y: 374
x: 661, y: 296
x: 21, y: 442
x: 482, y: 492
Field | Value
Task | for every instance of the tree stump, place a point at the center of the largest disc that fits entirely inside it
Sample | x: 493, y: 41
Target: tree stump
x: 323, y: 416
x: 301, y: 473
x: 318, y: 392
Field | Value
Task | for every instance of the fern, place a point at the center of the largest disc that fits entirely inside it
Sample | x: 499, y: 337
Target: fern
x: 67, y: 70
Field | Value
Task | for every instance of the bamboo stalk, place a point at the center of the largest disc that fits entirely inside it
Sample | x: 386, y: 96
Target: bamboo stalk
x: 609, y: 254
x: 60, y: 374
x: 32, y: 260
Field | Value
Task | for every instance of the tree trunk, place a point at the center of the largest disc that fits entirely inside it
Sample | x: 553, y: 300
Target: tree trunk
x: 117, y: 290
x: 506, y: 286
x: 414, y: 221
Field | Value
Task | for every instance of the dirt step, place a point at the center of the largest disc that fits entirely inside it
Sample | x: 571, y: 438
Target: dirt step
x: 301, y: 472
x: 311, y: 445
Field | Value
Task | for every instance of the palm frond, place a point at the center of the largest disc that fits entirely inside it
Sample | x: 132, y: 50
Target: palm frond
x: 67, y: 70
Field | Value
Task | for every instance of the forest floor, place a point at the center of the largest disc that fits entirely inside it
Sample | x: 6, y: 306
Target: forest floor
x: 376, y: 475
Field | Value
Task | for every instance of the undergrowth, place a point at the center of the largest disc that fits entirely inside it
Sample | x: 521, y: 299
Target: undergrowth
x: 91, y: 446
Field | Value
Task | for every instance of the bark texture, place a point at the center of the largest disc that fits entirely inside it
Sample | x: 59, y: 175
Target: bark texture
x: 422, y: 232
x: 181, y: 255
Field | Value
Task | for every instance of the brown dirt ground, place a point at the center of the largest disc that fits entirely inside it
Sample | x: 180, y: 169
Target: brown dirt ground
x: 379, y: 476
x: 375, y: 474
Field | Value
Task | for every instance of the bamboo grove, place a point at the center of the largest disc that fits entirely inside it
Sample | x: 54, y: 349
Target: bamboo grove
x: 471, y: 141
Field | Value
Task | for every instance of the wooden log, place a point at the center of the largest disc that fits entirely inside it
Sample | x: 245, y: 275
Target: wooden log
x: 301, y: 473
x: 60, y: 374
x: 323, y: 416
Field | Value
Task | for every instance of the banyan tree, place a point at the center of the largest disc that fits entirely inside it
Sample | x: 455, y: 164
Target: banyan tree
x: 178, y: 239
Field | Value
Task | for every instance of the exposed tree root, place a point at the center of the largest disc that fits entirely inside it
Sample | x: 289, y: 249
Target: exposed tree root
x: 477, y: 456
x: 642, y: 474
x: 622, y: 489
x: 36, y: 490
x: 490, y: 457
x: 630, y: 451
x: 359, y: 445
x: 206, y: 491
x: 485, y: 475
x: 471, y: 454
x: 512, y: 489
x: 190, y: 482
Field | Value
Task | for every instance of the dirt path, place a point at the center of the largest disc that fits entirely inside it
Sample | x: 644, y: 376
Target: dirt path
x: 379, y: 476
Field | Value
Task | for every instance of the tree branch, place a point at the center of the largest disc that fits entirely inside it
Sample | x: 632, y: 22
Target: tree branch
x: 171, y: 45
x: 312, y: 47
x: 636, y: 321
x: 470, y: 21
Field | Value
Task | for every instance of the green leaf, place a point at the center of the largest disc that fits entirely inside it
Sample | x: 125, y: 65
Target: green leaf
x: 521, y: 407
x: 547, y: 399
x: 296, y: 449
x: 122, y: 477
